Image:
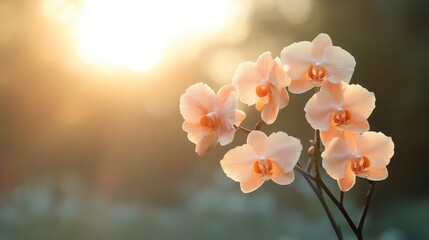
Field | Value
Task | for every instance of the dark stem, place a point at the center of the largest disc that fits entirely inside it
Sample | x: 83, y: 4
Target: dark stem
x: 310, y: 180
x: 365, y: 208
x: 339, y: 205
x: 321, y: 184
x: 258, y: 126
x: 341, y: 197
x: 299, y: 168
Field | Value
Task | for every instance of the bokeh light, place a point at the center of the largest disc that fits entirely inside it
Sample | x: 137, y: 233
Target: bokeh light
x: 137, y: 34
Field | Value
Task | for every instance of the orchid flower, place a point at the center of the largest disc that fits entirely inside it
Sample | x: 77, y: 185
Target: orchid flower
x: 309, y: 64
x: 261, y: 159
x: 263, y: 83
x: 365, y: 156
x: 209, y: 117
x: 339, y: 110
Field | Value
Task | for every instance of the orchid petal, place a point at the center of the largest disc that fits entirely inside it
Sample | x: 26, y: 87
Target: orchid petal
x: 334, y: 131
x: 225, y: 92
x: 336, y: 157
x: 321, y: 42
x: 358, y: 99
x: 239, y: 117
x: 319, y: 110
x: 257, y: 140
x: 278, y: 73
x: 283, y: 98
x: 377, y: 174
x: 247, y: 78
x: 226, y: 133
x: 265, y: 64
x: 238, y: 163
x: 192, y: 128
x: 280, y: 177
x: 206, y: 142
x: 284, y: 150
x: 197, y: 101
x: 300, y: 85
x: 335, y: 90
x: 339, y: 64
x: 251, y: 185
x: 357, y: 124
x: 378, y: 148
x: 298, y: 56
x: 269, y: 112
x: 348, y: 181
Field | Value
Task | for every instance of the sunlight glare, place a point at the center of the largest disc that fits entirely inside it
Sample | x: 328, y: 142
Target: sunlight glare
x: 135, y: 34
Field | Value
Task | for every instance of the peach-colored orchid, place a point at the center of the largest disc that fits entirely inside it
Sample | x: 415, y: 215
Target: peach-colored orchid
x: 309, y: 64
x: 209, y: 117
x: 263, y: 83
x: 365, y: 156
x: 339, y: 109
x: 261, y: 159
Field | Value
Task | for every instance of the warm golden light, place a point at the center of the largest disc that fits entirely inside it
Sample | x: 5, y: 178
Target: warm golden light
x: 136, y: 34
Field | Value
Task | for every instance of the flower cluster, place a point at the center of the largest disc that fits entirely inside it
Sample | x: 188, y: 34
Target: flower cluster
x: 338, y: 111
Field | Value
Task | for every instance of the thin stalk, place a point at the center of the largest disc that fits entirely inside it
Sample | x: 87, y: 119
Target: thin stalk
x: 309, y: 164
x: 259, y: 125
x: 365, y: 208
x: 341, y: 197
x: 311, y: 158
x: 303, y: 172
x: 319, y: 195
x: 242, y: 128
x: 322, y: 184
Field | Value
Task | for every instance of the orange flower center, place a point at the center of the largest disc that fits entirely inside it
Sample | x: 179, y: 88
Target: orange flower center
x: 264, y: 168
x: 342, y: 117
x: 360, y: 164
x: 265, y: 96
x: 208, y: 121
x: 263, y: 91
x: 317, y: 74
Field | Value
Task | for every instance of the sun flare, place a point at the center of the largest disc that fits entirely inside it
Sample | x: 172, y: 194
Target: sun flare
x: 136, y: 34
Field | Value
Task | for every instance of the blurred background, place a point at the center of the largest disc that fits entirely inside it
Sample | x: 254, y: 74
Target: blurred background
x: 91, y: 144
